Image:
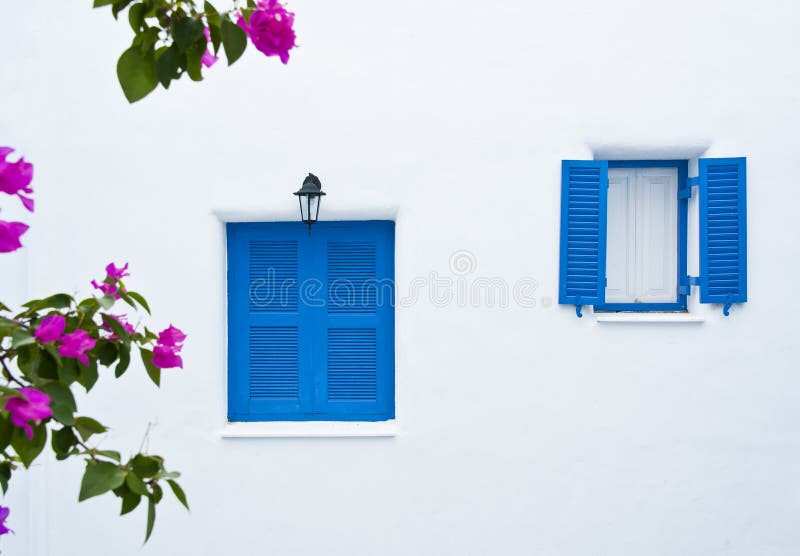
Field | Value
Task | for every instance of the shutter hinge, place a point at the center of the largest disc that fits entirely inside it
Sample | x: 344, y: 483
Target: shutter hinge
x: 686, y: 192
x: 685, y: 287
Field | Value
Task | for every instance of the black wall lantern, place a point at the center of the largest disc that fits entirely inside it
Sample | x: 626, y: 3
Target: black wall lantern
x: 310, y: 196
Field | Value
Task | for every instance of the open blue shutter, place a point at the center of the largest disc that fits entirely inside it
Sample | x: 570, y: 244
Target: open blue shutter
x: 268, y: 342
x: 723, y: 231
x: 584, y: 196
x: 355, y: 337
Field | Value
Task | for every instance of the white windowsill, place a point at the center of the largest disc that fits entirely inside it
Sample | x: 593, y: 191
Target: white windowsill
x: 647, y: 317
x: 310, y: 429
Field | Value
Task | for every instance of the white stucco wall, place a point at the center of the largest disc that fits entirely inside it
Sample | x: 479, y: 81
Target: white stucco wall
x: 521, y: 430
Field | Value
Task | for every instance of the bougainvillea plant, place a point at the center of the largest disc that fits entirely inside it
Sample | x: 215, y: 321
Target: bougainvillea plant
x: 173, y: 38
x: 53, y: 345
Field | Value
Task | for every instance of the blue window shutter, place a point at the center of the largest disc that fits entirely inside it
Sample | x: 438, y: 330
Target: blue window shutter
x: 310, y: 321
x: 268, y: 344
x: 354, y: 340
x: 723, y: 231
x: 584, y: 197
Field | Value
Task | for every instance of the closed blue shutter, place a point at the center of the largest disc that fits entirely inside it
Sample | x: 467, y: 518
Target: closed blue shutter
x: 268, y: 346
x: 723, y: 231
x: 356, y: 331
x: 584, y: 196
x: 311, y: 321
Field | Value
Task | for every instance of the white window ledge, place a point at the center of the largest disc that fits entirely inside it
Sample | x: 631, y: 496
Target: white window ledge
x: 310, y: 429
x: 647, y: 317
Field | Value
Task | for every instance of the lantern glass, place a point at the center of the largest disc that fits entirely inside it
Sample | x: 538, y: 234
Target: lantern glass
x: 313, y: 208
x: 309, y: 208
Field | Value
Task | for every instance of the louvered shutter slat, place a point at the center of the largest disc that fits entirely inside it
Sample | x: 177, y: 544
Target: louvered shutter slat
x: 584, y: 192
x: 723, y: 231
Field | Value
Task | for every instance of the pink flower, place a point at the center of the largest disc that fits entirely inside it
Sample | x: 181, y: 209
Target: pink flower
x: 15, y: 177
x: 166, y: 357
x: 123, y: 322
x: 3, y: 516
x: 270, y: 29
x: 75, y: 344
x: 51, y: 328
x: 208, y: 58
x: 171, y: 337
x: 169, y: 345
x: 106, y: 288
x: 32, y: 406
x: 10, y: 233
x: 115, y: 273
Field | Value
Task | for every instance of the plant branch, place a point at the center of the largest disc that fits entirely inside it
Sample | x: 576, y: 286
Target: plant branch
x: 9, y: 373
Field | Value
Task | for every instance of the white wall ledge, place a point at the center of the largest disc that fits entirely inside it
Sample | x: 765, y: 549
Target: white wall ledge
x: 647, y: 317
x: 310, y: 429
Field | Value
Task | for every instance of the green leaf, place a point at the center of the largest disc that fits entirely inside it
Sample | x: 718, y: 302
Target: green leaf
x: 86, y: 427
x: 21, y: 338
x: 57, y: 301
x: 6, y: 428
x: 4, y: 307
x: 194, y: 65
x: 49, y: 362
x: 99, y: 478
x: 101, y: 3
x: 214, y: 22
x: 146, y: 466
x: 89, y: 306
x: 107, y: 351
x: 88, y: 375
x: 167, y: 65
x: 187, y: 31
x: 151, y: 518
x: 158, y: 493
x: 69, y: 371
x: 178, y: 491
x: 28, y: 360
x: 5, y: 475
x: 107, y: 301
x: 209, y: 9
x: 148, y: 39
x: 136, y: 17
x: 215, y: 33
x: 140, y: 300
x: 63, y: 440
x: 137, y: 76
x: 118, y: 6
x: 129, y: 502
x: 7, y: 327
x: 234, y: 40
x: 152, y: 371
x: 111, y: 454
x: 63, y: 415
x: 136, y: 484
x: 28, y: 449
x: 62, y: 402
x: 124, y: 360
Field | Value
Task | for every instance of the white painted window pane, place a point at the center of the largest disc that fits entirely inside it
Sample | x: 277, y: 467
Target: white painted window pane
x: 642, y: 243
x: 657, y: 236
x: 620, y: 235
